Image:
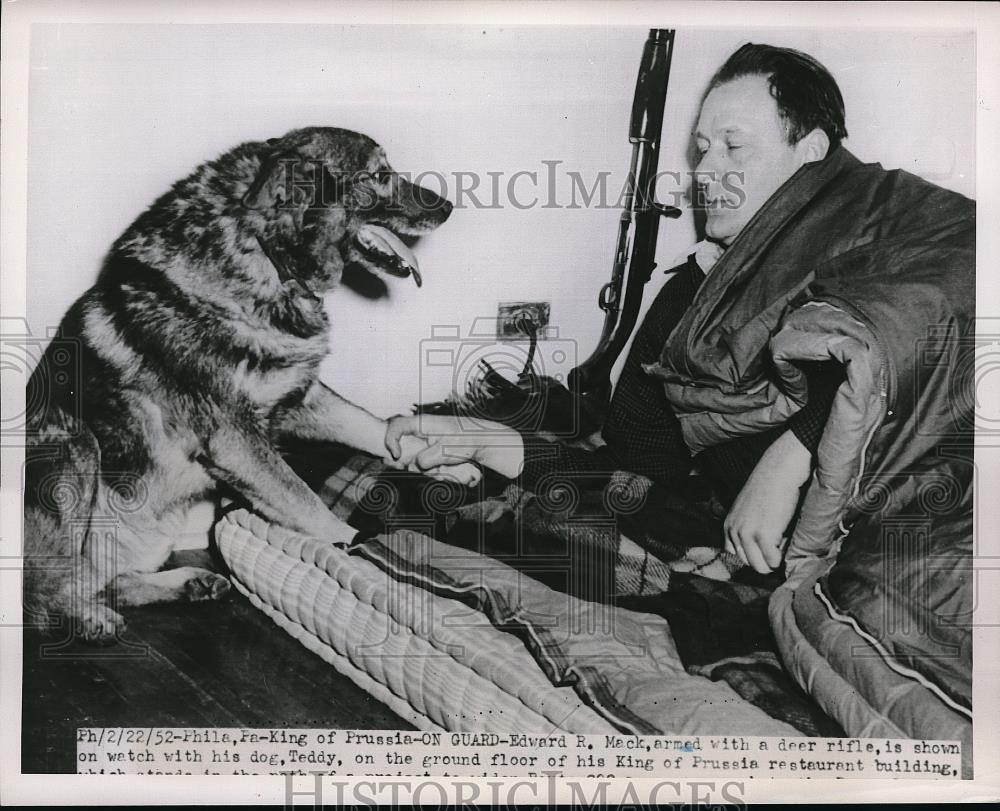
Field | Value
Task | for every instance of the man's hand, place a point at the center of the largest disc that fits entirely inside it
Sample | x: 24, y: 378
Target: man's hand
x: 756, y: 524
x: 408, y: 446
x: 405, y: 446
x: 428, y: 441
x: 449, y: 444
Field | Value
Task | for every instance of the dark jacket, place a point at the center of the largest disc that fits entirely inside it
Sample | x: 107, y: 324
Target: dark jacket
x: 871, y: 268
x: 875, y: 270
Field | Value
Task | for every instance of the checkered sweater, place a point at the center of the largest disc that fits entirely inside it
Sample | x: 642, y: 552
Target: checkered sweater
x: 643, y: 435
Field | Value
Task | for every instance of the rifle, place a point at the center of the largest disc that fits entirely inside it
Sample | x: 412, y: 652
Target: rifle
x: 591, y: 379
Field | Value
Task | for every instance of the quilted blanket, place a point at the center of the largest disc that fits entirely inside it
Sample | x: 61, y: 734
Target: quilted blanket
x: 599, y: 554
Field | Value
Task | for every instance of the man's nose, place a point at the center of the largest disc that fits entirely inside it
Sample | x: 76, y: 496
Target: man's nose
x: 708, y: 163
x: 711, y: 168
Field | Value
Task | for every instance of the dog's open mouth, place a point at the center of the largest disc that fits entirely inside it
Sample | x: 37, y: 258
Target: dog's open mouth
x: 388, y: 252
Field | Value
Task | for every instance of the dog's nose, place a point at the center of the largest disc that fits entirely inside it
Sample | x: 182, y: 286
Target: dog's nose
x: 447, y: 208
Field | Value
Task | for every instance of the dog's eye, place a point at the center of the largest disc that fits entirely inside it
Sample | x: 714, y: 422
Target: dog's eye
x: 383, y: 176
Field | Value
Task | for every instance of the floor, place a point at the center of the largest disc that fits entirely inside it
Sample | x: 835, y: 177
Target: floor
x: 220, y: 664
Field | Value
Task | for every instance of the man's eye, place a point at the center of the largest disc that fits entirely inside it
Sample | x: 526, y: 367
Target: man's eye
x: 735, y: 146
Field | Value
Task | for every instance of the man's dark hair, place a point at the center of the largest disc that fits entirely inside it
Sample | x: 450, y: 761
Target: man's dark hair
x: 806, y: 93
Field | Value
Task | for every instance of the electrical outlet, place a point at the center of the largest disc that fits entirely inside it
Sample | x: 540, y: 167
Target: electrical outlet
x: 514, y: 316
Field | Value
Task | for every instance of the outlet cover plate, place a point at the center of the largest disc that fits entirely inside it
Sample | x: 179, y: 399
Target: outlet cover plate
x: 510, y: 315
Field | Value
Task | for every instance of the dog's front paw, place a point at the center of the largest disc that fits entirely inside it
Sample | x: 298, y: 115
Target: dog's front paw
x: 101, y: 625
x: 206, y: 586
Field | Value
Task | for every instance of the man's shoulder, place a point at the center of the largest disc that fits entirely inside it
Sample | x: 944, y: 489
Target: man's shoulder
x: 897, y: 189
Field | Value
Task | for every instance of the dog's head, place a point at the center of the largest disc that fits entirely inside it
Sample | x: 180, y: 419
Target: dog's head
x: 326, y: 197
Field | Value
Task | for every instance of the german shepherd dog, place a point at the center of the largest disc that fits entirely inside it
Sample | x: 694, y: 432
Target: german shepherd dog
x: 194, y: 354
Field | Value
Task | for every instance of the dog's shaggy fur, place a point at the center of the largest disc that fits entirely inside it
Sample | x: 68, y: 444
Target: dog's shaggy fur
x: 198, y: 349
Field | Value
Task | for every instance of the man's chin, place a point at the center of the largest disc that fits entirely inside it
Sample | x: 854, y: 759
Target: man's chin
x: 721, y: 229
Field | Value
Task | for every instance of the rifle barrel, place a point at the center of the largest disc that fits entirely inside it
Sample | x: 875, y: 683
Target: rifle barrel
x: 642, y: 219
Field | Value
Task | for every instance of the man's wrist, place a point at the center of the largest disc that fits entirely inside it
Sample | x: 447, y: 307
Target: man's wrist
x: 501, y: 450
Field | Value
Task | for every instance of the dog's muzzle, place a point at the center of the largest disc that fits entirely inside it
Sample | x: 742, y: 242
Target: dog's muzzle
x: 388, y: 251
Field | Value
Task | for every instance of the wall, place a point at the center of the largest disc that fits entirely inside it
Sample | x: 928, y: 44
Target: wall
x: 119, y: 112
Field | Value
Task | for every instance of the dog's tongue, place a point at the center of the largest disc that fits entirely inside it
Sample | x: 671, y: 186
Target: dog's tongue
x: 385, y: 241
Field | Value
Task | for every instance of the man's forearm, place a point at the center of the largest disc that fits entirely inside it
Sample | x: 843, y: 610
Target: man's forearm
x: 759, y: 518
x: 787, y: 461
x: 501, y: 450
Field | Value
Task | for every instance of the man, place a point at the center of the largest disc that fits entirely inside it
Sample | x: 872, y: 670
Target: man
x: 767, y: 113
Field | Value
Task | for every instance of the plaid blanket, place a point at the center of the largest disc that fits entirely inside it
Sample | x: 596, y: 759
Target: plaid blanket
x: 619, y: 542
x: 626, y: 527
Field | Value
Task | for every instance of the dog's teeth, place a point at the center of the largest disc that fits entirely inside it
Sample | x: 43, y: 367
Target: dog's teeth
x: 382, y: 240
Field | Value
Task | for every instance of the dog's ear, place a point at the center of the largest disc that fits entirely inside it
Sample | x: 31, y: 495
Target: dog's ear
x: 332, y: 188
x: 273, y: 181
x: 284, y: 173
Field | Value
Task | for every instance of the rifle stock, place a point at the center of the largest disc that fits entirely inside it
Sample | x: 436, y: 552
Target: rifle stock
x: 640, y: 219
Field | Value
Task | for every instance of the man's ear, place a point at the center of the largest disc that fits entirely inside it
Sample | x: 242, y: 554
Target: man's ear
x: 813, y: 147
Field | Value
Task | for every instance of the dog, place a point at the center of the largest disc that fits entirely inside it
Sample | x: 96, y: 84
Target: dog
x: 195, y: 353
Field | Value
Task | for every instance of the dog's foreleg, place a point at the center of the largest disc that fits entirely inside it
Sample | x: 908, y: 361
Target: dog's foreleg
x: 325, y: 416
x: 247, y: 462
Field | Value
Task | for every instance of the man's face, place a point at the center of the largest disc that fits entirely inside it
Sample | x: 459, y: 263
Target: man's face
x: 744, y: 154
